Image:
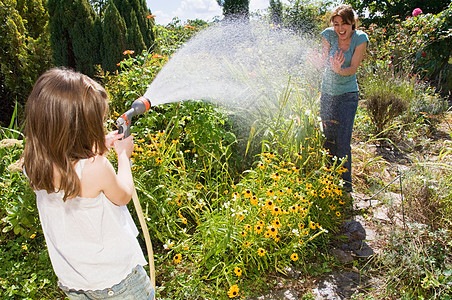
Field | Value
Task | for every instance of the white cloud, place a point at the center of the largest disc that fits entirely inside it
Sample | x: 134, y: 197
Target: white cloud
x: 259, y: 4
x: 198, y: 9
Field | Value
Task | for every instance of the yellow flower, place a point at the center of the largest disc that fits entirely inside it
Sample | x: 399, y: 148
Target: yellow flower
x: 238, y: 271
x: 247, y: 193
x: 276, y: 210
x: 33, y: 236
x: 272, y: 230
x: 243, y: 233
x: 233, y: 291
x: 258, y: 228
x: 246, y: 244
x: 260, y: 166
x: 253, y: 200
x: 269, y: 204
x: 338, y: 213
x: 175, y: 141
x: 24, y: 247
x: 158, y: 160
x: 275, y: 176
x: 276, y: 223
x: 177, y: 258
x: 301, y: 241
x: 261, y: 252
x: 312, y: 225
x: 247, y: 227
x: 294, y: 257
x: 235, y: 195
x: 270, y: 193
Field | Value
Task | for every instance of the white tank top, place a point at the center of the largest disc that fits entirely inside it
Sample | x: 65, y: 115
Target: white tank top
x: 91, y: 241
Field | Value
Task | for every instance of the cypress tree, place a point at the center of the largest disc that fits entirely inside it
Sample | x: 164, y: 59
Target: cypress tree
x: 276, y: 12
x: 72, y: 34
x: 235, y: 8
x: 134, y: 37
x: 114, y: 33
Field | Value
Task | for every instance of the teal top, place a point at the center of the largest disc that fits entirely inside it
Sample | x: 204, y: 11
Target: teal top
x: 333, y: 83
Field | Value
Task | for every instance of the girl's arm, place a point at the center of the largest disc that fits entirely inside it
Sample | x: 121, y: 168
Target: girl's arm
x: 101, y: 176
x: 357, y: 58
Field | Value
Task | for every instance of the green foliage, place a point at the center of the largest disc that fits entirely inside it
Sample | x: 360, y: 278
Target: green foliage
x: 417, y: 45
x: 305, y: 16
x: 172, y: 36
x: 381, y: 12
x: 24, y: 51
x: 25, y: 272
x: 235, y: 8
x: 18, y: 212
x: 417, y: 264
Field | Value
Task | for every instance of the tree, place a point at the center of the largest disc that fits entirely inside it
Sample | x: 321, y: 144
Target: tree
x: 235, y: 8
x: 25, y: 51
x: 381, y: 12
x: 114, y: 40
x: 72, y: 34
x: 276, y: 12
x: 134, y: 37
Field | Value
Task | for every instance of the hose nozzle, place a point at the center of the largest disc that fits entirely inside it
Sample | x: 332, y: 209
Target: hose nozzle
x: 139, y: 106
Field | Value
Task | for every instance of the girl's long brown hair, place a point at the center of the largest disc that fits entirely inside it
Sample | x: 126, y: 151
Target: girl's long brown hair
x: 65, y: 116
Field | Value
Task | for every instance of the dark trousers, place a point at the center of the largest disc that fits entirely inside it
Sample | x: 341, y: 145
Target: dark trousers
x: 338, y: 115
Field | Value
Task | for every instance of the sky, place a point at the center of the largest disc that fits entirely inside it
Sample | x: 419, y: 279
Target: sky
x: 165, y: 10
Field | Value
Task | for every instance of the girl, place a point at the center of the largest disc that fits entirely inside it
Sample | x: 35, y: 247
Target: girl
x: 90, y: 235
x: 343, y: 48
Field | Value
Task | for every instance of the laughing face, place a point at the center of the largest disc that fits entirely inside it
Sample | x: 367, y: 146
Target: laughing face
x: 343, y: 29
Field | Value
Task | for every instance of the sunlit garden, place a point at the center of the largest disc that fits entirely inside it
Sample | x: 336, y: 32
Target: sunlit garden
x: 235, y: 200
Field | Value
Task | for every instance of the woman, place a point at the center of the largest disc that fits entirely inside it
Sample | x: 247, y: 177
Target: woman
x: 343, y: 48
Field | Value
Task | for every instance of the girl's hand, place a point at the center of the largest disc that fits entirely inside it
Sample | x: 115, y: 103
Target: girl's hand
x: 337, y: 61
x: 124, y: 146
x: 111, y: 138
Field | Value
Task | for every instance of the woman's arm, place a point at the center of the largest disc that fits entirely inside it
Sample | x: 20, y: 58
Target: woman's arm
x: 357, y: 58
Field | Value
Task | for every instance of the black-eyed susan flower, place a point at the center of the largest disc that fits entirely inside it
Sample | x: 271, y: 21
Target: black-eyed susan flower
x: 258, y: 228
x: 233, y: 291
x: 254, y: 200
x: 261, y: 252
x: 269, y: 204
x: 272, y: 230
x: 275, y: 176
x: 276, y: 211
x: 238, y: 271
x: 260, y: 166
x: 338, y: 213
x: 243, y: 233
x: 177, y: 258
x: 294, y: 257
x: 276, y: 223
x: 246, y: 244
x: 158, y: 160
x: 312, y: 225
x: 247, y: 193
x: 270, y: 193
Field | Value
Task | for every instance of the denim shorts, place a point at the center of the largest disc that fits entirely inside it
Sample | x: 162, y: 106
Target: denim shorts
x: 136, y: 286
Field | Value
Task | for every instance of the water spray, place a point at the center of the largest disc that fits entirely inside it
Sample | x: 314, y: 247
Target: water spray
x: 139, y: 106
